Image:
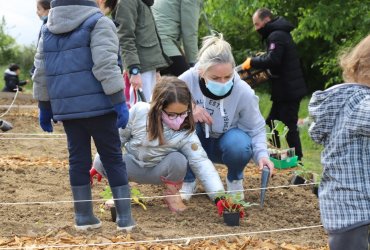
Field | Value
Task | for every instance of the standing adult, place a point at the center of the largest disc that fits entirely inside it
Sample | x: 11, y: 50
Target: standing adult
x: 288, y: 85
x: 229, y: 123
x: 141, y: 47
x: 42, y: 10
x: 177, y: 22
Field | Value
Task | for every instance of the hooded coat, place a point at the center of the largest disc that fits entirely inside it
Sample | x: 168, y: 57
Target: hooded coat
x: 76, y: 63
x: 282, y: 60
x: 341, y: 123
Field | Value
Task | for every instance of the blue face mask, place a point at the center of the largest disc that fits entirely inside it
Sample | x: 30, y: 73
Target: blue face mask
x: 219, y: 89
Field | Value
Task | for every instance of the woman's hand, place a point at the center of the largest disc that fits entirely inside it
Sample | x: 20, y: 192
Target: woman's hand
x: 264, y: 161
x: 201, y: 115
x: 136, y: 81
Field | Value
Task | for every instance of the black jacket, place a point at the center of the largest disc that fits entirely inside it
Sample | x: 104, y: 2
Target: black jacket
x: 12, y: 81
x: 282, y: 60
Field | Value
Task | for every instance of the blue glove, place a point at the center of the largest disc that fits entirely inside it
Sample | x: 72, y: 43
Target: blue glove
x: 45, y: 117
x: 122, y: 114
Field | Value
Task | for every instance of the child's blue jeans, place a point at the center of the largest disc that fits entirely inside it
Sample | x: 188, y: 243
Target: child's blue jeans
x: 105, y: 134
x: 233, y: 149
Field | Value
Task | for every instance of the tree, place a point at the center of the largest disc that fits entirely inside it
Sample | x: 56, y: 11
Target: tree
x: 7, y: 44
x: 324, y: 29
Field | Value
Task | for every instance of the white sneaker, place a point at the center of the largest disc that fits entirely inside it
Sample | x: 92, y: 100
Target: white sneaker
x: 187, y: 190
x: 236, y: 185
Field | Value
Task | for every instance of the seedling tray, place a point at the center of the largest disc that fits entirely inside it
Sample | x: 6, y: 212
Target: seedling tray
x: 286, y: 163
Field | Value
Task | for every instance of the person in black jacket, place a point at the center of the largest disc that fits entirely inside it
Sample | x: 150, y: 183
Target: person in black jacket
x: 281, y: 58
x: 11, y: 79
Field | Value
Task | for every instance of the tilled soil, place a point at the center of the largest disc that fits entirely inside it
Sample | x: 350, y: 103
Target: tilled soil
x: 35, y: 207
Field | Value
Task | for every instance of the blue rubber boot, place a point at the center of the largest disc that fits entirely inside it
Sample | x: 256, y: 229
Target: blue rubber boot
x: 84, y: 215
x: 124, y: 218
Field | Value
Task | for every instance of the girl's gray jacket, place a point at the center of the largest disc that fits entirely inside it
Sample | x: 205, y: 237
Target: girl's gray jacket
x: 341, y: 123
x: 238, y: 110
x: 149, y: 153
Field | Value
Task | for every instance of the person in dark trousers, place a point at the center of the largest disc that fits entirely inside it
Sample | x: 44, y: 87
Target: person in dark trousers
x: 77, y: 80
x: 288, y: 85
x: 11, y: 78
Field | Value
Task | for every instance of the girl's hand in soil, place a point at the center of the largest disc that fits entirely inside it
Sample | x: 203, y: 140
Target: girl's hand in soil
x: 264, y: 161
x: 93, y: 172
x: 201, y: 115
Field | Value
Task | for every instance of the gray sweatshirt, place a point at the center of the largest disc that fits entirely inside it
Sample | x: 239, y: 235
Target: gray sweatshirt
x: 238, y: 110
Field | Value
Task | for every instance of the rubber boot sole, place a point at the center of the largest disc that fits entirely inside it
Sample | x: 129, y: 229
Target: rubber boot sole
x: 86, y: 227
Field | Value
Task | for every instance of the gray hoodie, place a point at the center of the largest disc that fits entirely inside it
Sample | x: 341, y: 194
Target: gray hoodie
x: 104, y: 47
x: 238, y: 110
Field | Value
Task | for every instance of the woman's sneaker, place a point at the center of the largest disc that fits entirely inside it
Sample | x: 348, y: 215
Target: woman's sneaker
x: 187, y: 190
x: 236, y: 185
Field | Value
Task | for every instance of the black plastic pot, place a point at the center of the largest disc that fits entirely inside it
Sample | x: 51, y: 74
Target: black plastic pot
x: 113, y: 213
x: 231, y: 218
x: 297, y: 180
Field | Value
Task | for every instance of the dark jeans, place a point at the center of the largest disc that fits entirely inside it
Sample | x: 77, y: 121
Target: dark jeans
x: 104, y: 132
x: 287, y: 112
x: 233, y: 149
x: 355, y: 239
x: 178, y: 66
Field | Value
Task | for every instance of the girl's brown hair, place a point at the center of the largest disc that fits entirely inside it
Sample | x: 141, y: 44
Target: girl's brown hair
x: 356, y: 63
x: 45, y: 4
x: 167, y: 91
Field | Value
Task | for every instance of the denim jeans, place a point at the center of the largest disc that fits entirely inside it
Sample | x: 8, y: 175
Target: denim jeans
x: 233, y: 149
x: 105, y: 134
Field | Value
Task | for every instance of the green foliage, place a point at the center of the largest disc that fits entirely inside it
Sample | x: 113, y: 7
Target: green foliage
x: 135, y: 196
x: 7, y: 44
x: 324, y: 29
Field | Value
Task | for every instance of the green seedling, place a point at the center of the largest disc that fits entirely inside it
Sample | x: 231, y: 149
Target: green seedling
x: 135, y: 196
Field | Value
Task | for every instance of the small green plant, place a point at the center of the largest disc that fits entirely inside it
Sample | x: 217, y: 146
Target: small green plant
x: 135, y: 196
x: 278, y: 129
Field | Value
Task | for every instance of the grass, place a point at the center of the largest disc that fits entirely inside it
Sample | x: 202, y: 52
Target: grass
x: 311, y: 150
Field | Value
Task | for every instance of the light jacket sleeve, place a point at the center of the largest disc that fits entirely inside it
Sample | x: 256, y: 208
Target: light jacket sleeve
x: 252, y: 122
x: 190, y: 13
x: 104, y: 49
x: 40, y: 91
x: 126, y: 133
x: 202, y: 167
x: 127, y: 17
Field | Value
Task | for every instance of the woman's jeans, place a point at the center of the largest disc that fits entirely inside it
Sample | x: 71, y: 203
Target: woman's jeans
x: 233, y: 149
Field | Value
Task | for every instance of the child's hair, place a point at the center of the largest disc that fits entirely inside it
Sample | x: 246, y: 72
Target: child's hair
x: 356, y: 63
x: 45, y: 4
x: 215, y: 50
x: 111, y: 4
x: 167, y: 91
x: 14, y: 67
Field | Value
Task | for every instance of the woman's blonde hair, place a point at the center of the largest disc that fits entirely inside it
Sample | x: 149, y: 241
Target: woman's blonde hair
x: 356, y: 63
x: 167, y: 91
x: 214, y: 50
